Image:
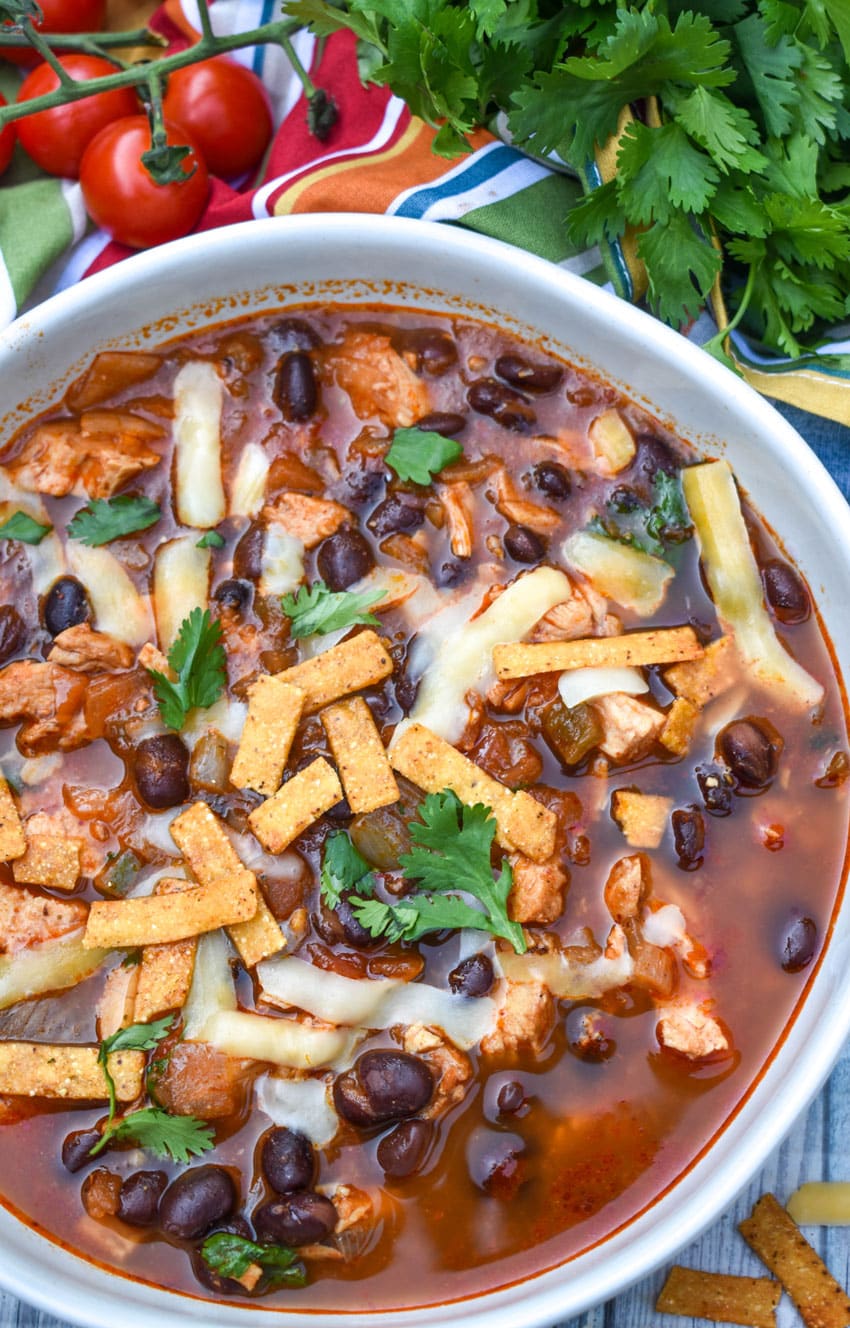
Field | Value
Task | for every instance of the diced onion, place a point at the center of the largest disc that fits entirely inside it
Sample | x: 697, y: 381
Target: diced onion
x: 375, y: 1002
x: 300, y: 1104
x: 249, y: 483
x: 199, y: 492
x: 119, y: 610
x: 634, y: 579
x: 212, y: 991
x: 181, y: 581
x: 286, y: 1042
x: 579, y: 685
x: 564, y: 977
x: 50, y: 967
x: 282, y: 563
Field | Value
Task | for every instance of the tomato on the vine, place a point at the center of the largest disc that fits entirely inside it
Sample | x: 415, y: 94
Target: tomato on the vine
x: 8, y: 137
x: 121, y: 197
x: 57, y: 139
x: 226, y: 109
x: 59, y: 16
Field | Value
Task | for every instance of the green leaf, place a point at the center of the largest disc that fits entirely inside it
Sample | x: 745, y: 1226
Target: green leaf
x: 24, y: 528
x: 770, y: 67
x: 135, y: 1037
x: 198, y: 660
x: 177, y: 1137
x: 211, y: 540
x: 164, y: 163
x: 318, y: 610
x: 819, y: 93
x: 419, y: 454
x: 598, y: 216
x: 105, y: 519
x: 681, y: 268
x: 343, y: 868
x: 727, y: 132
x: 418, y: 915
x: 659, y: 170
x: 230, y: 1255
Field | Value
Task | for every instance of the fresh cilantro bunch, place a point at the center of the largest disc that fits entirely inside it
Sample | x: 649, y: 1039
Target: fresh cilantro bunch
x: 736, y: 160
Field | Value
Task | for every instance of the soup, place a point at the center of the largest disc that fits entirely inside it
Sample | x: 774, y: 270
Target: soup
x: 414, y: 760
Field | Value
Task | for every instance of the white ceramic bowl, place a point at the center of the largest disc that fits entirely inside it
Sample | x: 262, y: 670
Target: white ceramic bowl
x: 260, y: 266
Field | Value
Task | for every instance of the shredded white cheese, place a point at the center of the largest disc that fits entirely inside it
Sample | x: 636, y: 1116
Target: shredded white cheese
x: 665, y: 926
x: 181, y: 581
x: 567, y: 979
x: 579, y: 685
x: 286, y: 1042
x: 198, y: 488
x: 249, y: 482
x: 282, y: 562
x: 119, y: 609
x: 300, y: 1104
x: 212, y: 990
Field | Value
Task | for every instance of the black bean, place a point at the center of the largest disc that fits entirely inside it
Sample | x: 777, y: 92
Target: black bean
x: 288, y: 1160
x: 688, y: 836
x: 66, y: 605
x: 161, y: 767
x: 533, y: 377
x: 77, y: 1146
x: 341, y: 925
x: 435, y: 351
x: 398, y: 512
x: 443, y: 422
x: 785, y: 593
x: 799, y: 944
x: 138, y: 1202
x: 405, y: 688
x: 749, y: 752
x: 298, y: 1219
x: 523, y: 545
x: 452, y: 573
x: 196, y: 1201
x: 496, y: 1162
x: 552, y: 478
x: 344, y: 558
x: 716, y: 786
x: 383, y: 1086
x: 402, y: 1152
x: 295, y: 392
x: 248, y: 555
x: 294, y: 334
x: 653, y: 454
x: 588, y: 1037
x: 507, y: 407
x: 13, y: 632
x: 511, y: 1097
x: 340, y: 813
x: 623, y: 499
x: 233, y: 594
x: 473, y: 976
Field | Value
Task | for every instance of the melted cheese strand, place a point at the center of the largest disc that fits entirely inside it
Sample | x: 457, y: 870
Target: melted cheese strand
x: 198, y: 488
x: 181, y: 581
x: 300, y: 1104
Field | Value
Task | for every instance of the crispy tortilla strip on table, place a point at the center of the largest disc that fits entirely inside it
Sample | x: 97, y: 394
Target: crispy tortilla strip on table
x: 632, y: 650
x: 823, y: 1203
x: 274, y: 709
x: 642, y: 817
x: 202, y: 840
x: 721, y: 1297
x: 360, y: 662
x: 780, y: 1244
x: 679, y: 727
x: 49, y: 1069
x: 49, y: 860
x: 165, y: 972
x: 522, y: 822
x: 13, y: 843
x: 295, y: 806
x: 359, y: 753
x: 701, y: 680
x: 157, y: 919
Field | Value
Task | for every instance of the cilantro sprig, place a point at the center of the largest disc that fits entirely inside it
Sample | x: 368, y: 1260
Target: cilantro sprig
x: 419, y: 454
x: 651, y: 529
x: 230, y: 1255
x: 343, y: 868
x: 135, y: 1037
x: 450, y: 857
x: 317, y: 610
x: 106, y: 519
x: 197, y: 658
x: 21, y: 526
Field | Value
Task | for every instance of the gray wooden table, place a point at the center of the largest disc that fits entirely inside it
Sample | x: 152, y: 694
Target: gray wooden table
x: 818, y: 1148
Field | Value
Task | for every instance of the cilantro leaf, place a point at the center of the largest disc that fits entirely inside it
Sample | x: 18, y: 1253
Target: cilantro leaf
x: 419, y: 454
x: 105, y: 519
x: 659, y: 170
x: 210, y: 540
x: 681, y: 267
x: 652, y: 528
x: 135, y: 1037
x: 726, y: 131
x: 230, y: 1255
x: 318, y: 610
x: 198, y: 660
x: 343, y: 868
x: 24, y: 528
x: 179, y: 1137
x: 416, y: 915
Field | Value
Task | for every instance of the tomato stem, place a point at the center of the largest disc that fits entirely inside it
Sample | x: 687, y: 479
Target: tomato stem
x: 35, y: 39
x: 206, y: 22
x: 87, y: 42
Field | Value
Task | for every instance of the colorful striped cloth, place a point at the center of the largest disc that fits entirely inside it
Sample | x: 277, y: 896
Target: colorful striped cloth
x: 377, y: 158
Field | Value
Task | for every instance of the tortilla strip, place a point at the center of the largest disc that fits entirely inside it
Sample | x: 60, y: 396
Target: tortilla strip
x: 49, y: 1069
x: 156, y: 919
x: 274, y: 709
x: 701, y: 680
x: 679, y: 726
x: 721, y: 1297
x: 13, y: 843
x: 295, y: 806
x: 49, y: 860
x: 522, y: 822
x: 780, y: 1244
x: 632, y: 650
x: 165, y: 972
x: 362, y: 661
x: 360, y: 757
x: 642, y: 817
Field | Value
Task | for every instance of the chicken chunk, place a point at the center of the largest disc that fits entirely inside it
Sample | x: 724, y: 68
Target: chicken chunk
x: 88, y: 651
x: 308, y: 519
x: 378, y: 381
x: 692, y: 1032
x: 630, y: 726
x: 518, y: 510
x: 538, y: 890
x: 199, y: 1080
x: 457, y: 505
x: 63, y: 457
x: 525, y: 1020
x: 627, y: 886
x: 450, y: 1067
x: 29, y: 919
x: 49, y: 699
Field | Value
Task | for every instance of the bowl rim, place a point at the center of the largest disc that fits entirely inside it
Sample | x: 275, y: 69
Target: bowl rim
x: 764, y: 1117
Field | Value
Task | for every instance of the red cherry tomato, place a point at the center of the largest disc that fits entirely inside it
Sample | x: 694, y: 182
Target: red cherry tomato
x: 225, y: 107
x: 7, y: 141
x: 60, y: 16
x: 122, y: 198
x: 57, y: 139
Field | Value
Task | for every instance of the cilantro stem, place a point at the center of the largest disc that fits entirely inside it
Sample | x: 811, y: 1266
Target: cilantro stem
x: 716, y: 342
